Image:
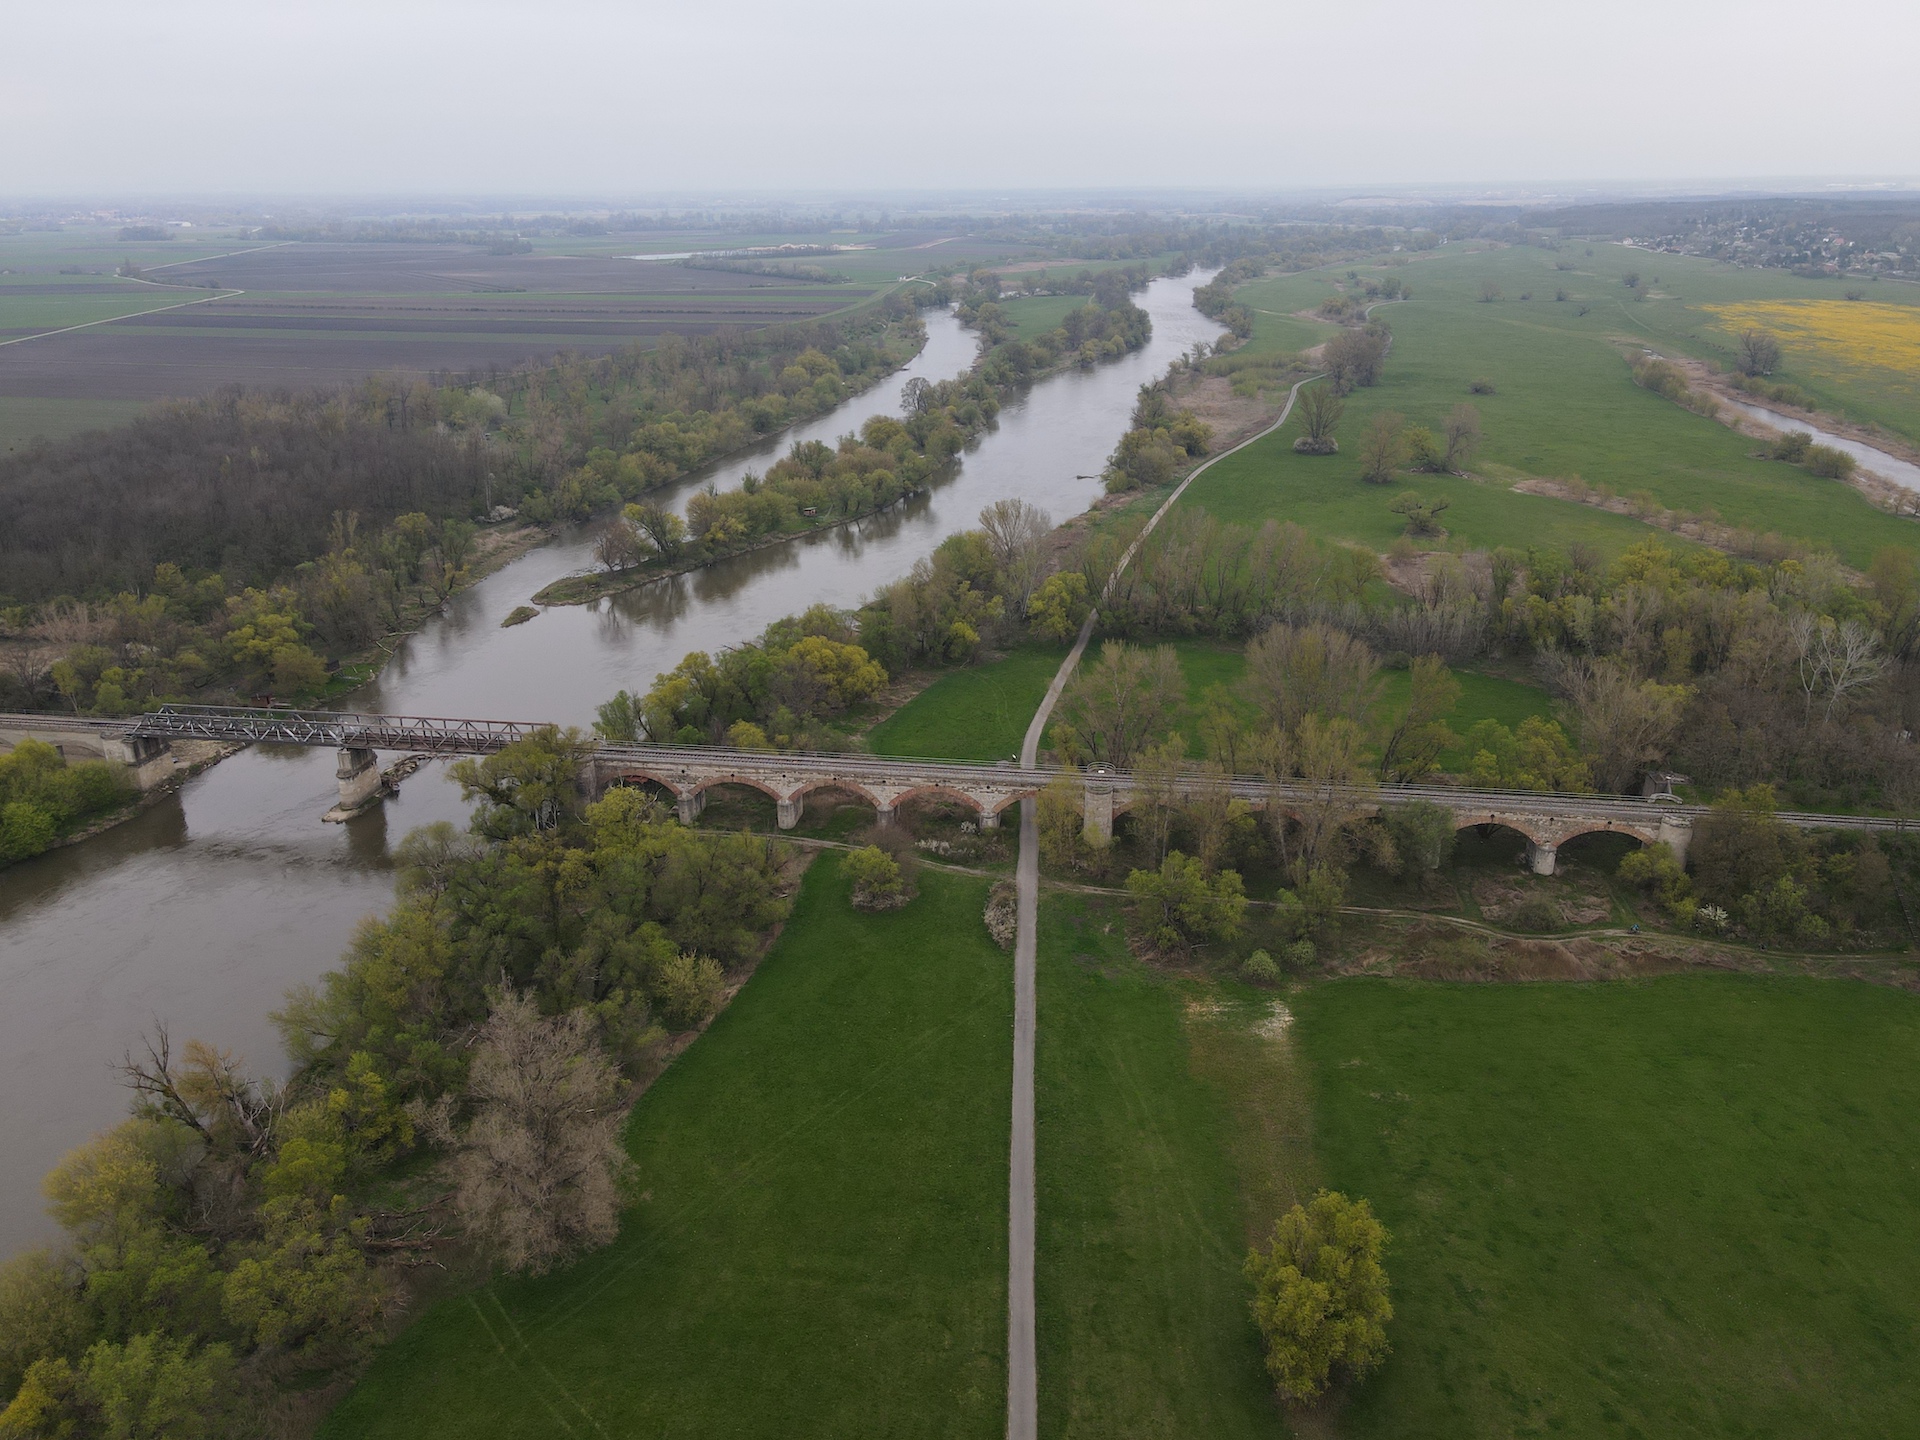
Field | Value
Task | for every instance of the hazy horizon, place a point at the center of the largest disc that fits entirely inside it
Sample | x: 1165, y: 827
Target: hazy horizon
x: 214, y: 99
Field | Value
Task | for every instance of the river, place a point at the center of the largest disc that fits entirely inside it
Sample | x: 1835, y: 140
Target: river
x: 203, y: 911
x: 1903, y: 473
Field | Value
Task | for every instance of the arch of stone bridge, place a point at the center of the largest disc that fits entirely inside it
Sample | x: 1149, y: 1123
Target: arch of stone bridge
x: 707, y: 782
x: 636, y: 777
x: 946, y: 792
x: 1527, y: 827
x: 1645, y: 834
x: 852, y: 787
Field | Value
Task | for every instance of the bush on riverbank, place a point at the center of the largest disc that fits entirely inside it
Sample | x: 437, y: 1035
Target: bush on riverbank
x: 42, y: 797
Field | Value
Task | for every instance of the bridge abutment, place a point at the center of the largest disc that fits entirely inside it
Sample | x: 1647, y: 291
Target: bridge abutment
x: 148, y: 758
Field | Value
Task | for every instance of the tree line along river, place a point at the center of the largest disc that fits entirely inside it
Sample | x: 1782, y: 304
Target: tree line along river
x: 203, y: 911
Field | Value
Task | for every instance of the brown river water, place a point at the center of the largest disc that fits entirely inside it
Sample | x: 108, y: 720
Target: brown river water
x: 202, y: 912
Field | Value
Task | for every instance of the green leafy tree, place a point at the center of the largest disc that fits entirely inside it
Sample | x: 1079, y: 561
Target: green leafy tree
x: 1538, y: 756
x: 1321, y: 1295
x: 532, y: 785
x: 1180, y: 905
x: 879, y: 882
x: 1655, y: 870
x: 1058, y: 607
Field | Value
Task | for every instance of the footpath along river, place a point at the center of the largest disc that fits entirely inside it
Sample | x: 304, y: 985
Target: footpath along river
x: 202, y: 912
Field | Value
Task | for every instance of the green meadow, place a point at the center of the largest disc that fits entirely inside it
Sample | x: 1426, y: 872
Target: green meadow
x: 1564, y: 403
x: 819, y: 1247
x: 1681, y: 1207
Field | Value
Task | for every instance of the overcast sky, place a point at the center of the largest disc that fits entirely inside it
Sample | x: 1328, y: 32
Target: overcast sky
x: 578, y: 97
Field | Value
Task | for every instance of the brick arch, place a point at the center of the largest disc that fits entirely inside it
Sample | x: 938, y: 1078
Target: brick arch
x: 1534, y: 834
x: 628, y: 777
x: 706, y: 783
x: 944, y: 792
x: 1645, y: 834
x: 852, y: 787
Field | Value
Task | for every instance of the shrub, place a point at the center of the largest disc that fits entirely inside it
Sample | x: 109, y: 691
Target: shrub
x: 1259, y: 968
x: 1301, y: 953
x: 878, y: 881
x: 1829, y: 463
x: 1791, y: 447
x: 1320, y: 1295
x: 1538, y: 915
x: 1179, y: 905
x: 1003, y: 915
x: 1423, y: 451
x: 1654, y: 869
x: 1482, y: 386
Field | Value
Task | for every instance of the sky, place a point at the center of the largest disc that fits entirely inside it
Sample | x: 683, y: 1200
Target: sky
x: 629, y: 100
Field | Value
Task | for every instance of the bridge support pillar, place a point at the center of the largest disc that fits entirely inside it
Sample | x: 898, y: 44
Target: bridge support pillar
x: 883, y: 814
x: 787, y: 812
x: 359, y: 775
x: 1676, y: 833
x: 1097, y: 810
x: 1540, y: 857
x: 148, y: 757
x: 989, y: 820
x: 690, y: 803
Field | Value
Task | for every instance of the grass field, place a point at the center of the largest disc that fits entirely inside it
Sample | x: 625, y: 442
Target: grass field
x: 1565, y: 404
x: 1143, y: 1219
x: 1039, y: 314
x: 820, y: 1249
x: 977, y: 713
x: 1676, y: 1208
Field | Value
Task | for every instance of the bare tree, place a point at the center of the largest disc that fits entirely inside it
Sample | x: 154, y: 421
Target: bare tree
x: 1329, y: 754
x: 1320, y: 410
x: 618, y: 547
x: 1757, y: 353
x: 1299, y: 670
x: 1383, y: 449
x: 1113, y: 710
x: 1156, y: 794
x: 1836, y: 661
x: 1017, y: 534
x: 1623, y: 725
x: 538, y: 1174
x: 1463, y: 435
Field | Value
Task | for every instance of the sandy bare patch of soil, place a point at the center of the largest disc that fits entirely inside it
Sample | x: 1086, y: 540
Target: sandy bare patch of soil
x: 1579, y: 900
x: 1232, y: 417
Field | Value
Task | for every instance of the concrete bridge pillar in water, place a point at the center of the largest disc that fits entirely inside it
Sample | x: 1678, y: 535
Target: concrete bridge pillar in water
x: 1097, y: 816
x: 359, y: 775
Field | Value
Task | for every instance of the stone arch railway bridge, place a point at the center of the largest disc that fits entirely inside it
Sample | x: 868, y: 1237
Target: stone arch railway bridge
x: 688, y: 773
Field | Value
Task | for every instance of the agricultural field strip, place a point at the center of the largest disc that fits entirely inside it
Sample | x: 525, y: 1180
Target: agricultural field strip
x: 112, y: 319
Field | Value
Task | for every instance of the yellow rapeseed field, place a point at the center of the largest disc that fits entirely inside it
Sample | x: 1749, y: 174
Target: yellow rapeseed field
x: 1852, y: 333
